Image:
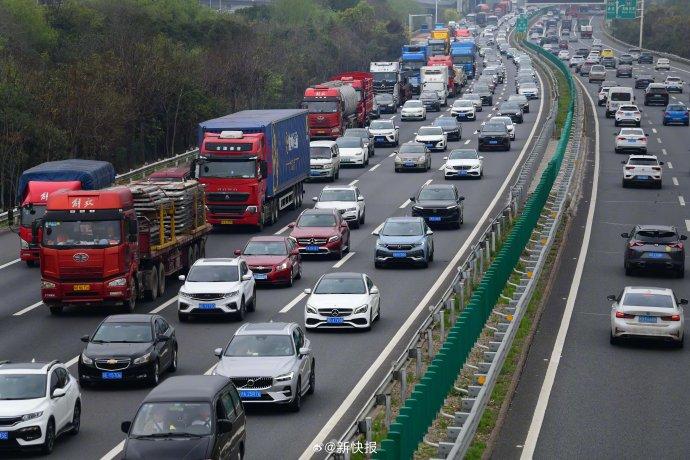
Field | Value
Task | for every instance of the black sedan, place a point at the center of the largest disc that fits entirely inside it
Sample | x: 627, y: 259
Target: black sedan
x: 386, y: 103
x: 128, y: 348
x: 641, y: 81
x: 431, y: 101
x: 484, y: 92
x: 494, y: 136
x: 439, y: 204
x: 654, y: 247
x: 451, y: 127
x: 512, y: 110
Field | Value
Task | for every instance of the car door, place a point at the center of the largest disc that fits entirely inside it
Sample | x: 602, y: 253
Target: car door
x: 239, y: 425
x: 359, y: 204
x: 298, y: 340
x: 162, y: 346
x: 71, y: 389
x: 344, y: 230
x: 59, y: 406
x: 374, y: 299
x: 294, y: 258
x: 247, y: 286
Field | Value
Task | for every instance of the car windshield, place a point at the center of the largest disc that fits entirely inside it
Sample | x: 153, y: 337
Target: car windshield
x: 434, y: 193
x: 510, y: 106
x: 385, y: 76
x: 82, y: 233
x: 357, y: 132
x: 265, y: 248
x: 463, y: 103
x: 428, y: 95
x: 260, y: 345
x: 462, y: 155
x: 320, y: 153
x: 672, y: 79
x: 320, y: 106
x: 213, y: 274
x: 349, y: 142
x: 316, y: 220
x: 643, y: 162
x: 637, y: 299
x: 430, y: 131
x: 412, y: 148
x: 228, y: 169
x: 173, y: 419
x: 494, y: 127
x: 123, y: 333
x: 22, y: 386
x: 337, y: 195
x: 332, y: 285
x: 618, y: 96
x: 598, y: 68
x: 413, y: 104
x: 505, y: 120
x: 381, y: 124
x: 656, y: 236
x: 402, y: 229
x: 632, y: 132
x: 627, y: 108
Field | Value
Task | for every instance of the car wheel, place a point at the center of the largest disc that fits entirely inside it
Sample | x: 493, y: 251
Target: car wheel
x: 378, y: 264
x: 155, y: 376
x: 680, y: 273
x: 299, y: 272
x: 613, y: 340
x: 371, y: 322
x: 361, y: 219
x: 296, y: 403
x: 173, y: 363
x: 76, y: 419
x: 337, y: 173
x: 239, y: 315
x: 152, y: 293
x: 312, y: 378
x: 131, y: 304
x: 183, y: 317
x: 625, y: 183
x: 252, y: 304
x: 49, y: 443
x: 679, y: 344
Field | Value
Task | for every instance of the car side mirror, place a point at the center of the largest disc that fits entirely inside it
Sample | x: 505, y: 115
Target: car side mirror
x: 462, y: 198
x: 683, y: 237
x: 125, y: 426
x: 181, y: 277
x: 85, y: 338
x: 623, y: 162
x: 304, y: 351
x: 397, y: 127
x: 238, y: 252
x: 315, y: 198
x: 224, y: 426
x: 429, y: 232
x: 334, y: 155
x: 294, y: 252
x: 246, y: 277
x: 58, y: 393
x: 307, y: 291
x: 413, y: 199
x: 360, y: 198
x: 481, y: 158
x: 218, y: 352
x: 683, y: 301
x: 374, y: 290
x: 162, y: 338
x: 375, y: 233
x: 611, y: 297
x: 625, y: 235
x: 661, y: 163
x: 291, y: 225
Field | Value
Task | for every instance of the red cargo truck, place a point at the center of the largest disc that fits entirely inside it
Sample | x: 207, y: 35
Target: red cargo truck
x: 363, y: 83
x: 332, y: 109
x: 444, y: 60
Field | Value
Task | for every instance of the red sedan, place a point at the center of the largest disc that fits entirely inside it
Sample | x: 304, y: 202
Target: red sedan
x: 321, y: 231
x: 272, y: 259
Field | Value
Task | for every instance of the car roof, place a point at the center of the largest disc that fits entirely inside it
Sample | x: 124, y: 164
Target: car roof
x: 638, y: 157
x: 35, y: 367
x: 319, y: 211
x: 404, y: 219
x: 129, y: 318
x: 276, y: 328
x: 187, y: 388
x: 339, y: 187
x: 321, y: 143
x: 340, y: 275
x: 438, y: 186
x: 218, y: 261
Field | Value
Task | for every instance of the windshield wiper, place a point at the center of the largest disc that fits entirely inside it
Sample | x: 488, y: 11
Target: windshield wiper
x: 170, y: 435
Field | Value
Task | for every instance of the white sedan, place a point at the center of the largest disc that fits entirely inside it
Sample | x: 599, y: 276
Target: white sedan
x: 662, y: 64
x: 633, y: 139
x: 642, y: 169
x: 463, y: 163
x: 342, y: 300
x: 463, y: 109
x: 352, y: 151
x: 649, y: 312
x: 564, y: 55
x: 413, y: 110
x: 433, y: 137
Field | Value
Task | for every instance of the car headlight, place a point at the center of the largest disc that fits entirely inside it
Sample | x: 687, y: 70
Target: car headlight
x: 334, y: 238
x: 422, y: 158
x: 282, y: 266
x: 474, y: 166
x: 23, y: 244
x: 361, y: 309
x: 311, y: 309
x: 86, y: 360
x: 119, y: 282
x: 47, y: 284
x: 232, y: 294
x: 452, y: 207
x: 397, y: 159
x: 31, y: 416
x: 359, y: 153
x: 183, y: 295
x: 284, y: 377
x: 417, y: 208
x: 350, y: 209
x: 143, y: 359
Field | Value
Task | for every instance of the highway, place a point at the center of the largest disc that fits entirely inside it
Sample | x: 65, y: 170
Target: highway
x: 579, y: 396
x: 345, y: 360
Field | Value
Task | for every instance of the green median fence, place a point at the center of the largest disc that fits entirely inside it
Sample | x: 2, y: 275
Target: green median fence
x: 420, y: 409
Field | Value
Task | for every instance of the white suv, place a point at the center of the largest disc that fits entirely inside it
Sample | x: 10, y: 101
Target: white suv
x: 347, y: 200
x: 642, y: 169
x: 674, y: 84
x: 662, y: 63
x: 217, y: 287
x: 628, y: 115
x: 38, y: 403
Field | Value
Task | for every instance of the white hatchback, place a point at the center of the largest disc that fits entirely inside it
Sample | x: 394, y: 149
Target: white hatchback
x: 642, y: 169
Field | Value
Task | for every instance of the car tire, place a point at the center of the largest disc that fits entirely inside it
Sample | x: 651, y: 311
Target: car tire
x: 174, y: 363
x: 155, y: 377
x: 664, y: 123
x: 252, y: 304
x: 183, y: 317
x: 299, y: 272
x: 76, y: 419
x: 613, y: 340
x: 625, y: 183
x: 152, y: 293
x: 337, y: 173
x: 296, y: 403
x: 241, y: 312
x: 615, y: 123
x: 361, y: 219
x: 378, y: 264
x: 355, y: 224
x: 680, y: 273
x: 49, y: 443
x: 312, y: 378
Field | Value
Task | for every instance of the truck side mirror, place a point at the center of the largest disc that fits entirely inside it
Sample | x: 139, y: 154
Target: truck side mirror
x: 263, y: 169
x: 34, y: 228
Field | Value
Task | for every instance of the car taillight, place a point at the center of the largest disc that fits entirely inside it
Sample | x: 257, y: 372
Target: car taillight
x: 677, y: 245
x: 656, y: 168
x: 620, y: 138
x: 620, y: 314
x: 629, y: 168
x: 636, y: 113
x: 643, y: 139
x: 671, y: 318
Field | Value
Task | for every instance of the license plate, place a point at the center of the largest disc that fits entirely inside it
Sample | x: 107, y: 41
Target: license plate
x: 409, y: 164
x: 493, y: 142
x: 631, y: 141
x: 312, y: 248
x: 399, y: 254
x: 462, y: 173
x: 628, y: 114
x: 82, y: 287
x: 345, y: 160
x: 250, y: 394
x: 111, y: 375
x: 207, y: 306
x: 430, y: 145
x: 334, y: 320
x: 226, y: 222
x: 643, y: 177
x: 379, y: 138
x: 260, y: 276
x: 647, y: 319
x: 434, y: 219
x: 316, y: 173
x: 4, y: 435
x: 656, y: 255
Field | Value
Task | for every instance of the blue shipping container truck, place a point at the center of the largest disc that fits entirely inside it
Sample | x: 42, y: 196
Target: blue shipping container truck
x: 463, y: 53
x: 413, y: 58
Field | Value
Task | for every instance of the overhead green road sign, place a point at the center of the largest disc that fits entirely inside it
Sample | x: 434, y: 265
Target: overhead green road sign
x: 521, y: 24
x: 611, y: 9
x: 627, y: 9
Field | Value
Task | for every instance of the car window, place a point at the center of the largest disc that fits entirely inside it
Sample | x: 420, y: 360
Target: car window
x: 317, y: 220
x: 64, y: 376
x: 345, y: 285
x: 54, y: 381
x: 656, y: 236
x: 160, y: 328
x: 164, y: 325
x: 370, y: 283
x: 647, y: 299
x: 643, y: 161
x: 228, y: 406
x: 220, y: 410
x: 237, y: 402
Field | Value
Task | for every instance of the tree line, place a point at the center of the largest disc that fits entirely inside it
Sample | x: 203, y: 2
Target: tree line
x: 128, y: 81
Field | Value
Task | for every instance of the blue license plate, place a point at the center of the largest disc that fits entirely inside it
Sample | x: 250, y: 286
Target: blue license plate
x: 631, y: 140
x: 409, y: 164
x: 399, y: 254
x: 250, y: 394
x: 430, y: 145
x: 315, y: 173
x: 643, y: 177
x: 434, y: 219
x: 462, y: 173
x: 380, y: 138
x: 111, y: 375
x: 207, y: 306
x: 656, y: 255
x: 260, y: 276
x: 334, y: 320
x: 647, y: 319
x: 312, y: 248
x: 4, y: 435
x: 493, y: 142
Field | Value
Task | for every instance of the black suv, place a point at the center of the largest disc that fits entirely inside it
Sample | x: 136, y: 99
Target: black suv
x: 439, y: 204
x: 656, y: 94
x: 494, y: 136
x: 195, y: 416
x: 512, y: 110
x: 451, y: 127
x: 645, y: 58
x: 654, y: 246
x: 484, y: 92
x: 641, y: 81
x: 430, y: 101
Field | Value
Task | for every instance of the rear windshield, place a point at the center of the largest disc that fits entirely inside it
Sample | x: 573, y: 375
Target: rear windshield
x: 648, y: 300
x: 657, y: 90
x: 656, y: 236
x: 677, y: 108
x: 620, y: 96
x: 643, y: 161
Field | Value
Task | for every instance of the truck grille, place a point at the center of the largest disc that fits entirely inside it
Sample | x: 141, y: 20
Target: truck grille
x: 112, y: 364
x: 206, y: 296
x: 81, y: 273
x: 255, y: 383
x: 223, y: 209
x: 229, y: 196
x: 305, y: 241
x: 335, y: 311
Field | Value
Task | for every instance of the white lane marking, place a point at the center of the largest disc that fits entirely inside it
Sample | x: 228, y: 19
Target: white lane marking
x: 392, y: 117
x: 377, y: 229
x: 467, y: 141
x: 550, y: 376
x: 681, y: 200
x: 293, y: 302
x: 442, y: 166
x: 658, y: 140
x: 164, y: 305
x: 281, y: 230
x: 675, y: 181
x: 9, y: 263
x: 674, y: 98
x: 654, y: 130
x: 392, y: 155
x: 342, y: 261
x: 405, y: 204
x: 353, y: 182
x: 375, y: 167
x: 384, y: 355
x: 669, y: 164
x: 72, y: 361
x: 687, y: 224
x: 664, y: 151
x: 210, y: 370
x: 114, y: 452
x: 28, y: 309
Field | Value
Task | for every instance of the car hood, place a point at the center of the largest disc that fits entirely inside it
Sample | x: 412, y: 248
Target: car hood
x: 335, y: 301
x: 389, y: 239
x: 467, y: 162
x: 435, y: 204
x: 432, y: 138
x: 381, y: 132
x: 203, y: 287
x: 320, y: 161
x: 350, y: 151
x: 463, y: 108
x: 411, y: 156
x: 266, y: 366
x: 110, y: 350
x: 15, y: 408
x: 322, y: 232
x: 168, y: 448
x: 254, y: 261
x: 335, y: 205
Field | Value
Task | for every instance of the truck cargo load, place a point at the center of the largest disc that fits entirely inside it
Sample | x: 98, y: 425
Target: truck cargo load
x: 363, y: 84
x: 332, y: 108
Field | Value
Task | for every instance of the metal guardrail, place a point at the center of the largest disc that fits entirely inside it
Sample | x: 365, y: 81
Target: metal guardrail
x: 134, y: 174
x: 468, y: 272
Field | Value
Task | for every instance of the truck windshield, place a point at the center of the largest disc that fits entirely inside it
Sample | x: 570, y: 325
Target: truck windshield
x: 80, y: 233
x: 320, y: 106
x: 412, y: 65
x: 228, y: 169
x: 390, y: 77
x: 31, y: 214
x: 464, y: 59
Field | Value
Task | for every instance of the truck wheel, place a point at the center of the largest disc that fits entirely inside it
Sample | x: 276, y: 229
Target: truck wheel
x: 274, y: 213
x: 30, y: 263
x: 56, y: 309
x: 131, y: 304
x: 161, y: 280
x: 152, y: 288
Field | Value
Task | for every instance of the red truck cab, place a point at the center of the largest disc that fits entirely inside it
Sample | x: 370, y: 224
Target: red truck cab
x: 32, y: 210
x: 445, y: 60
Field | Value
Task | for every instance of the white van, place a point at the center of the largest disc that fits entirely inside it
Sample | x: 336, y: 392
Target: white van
x: 617, y: 96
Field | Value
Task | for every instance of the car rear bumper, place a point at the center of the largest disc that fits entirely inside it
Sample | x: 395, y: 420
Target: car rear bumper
x: 626, y: 328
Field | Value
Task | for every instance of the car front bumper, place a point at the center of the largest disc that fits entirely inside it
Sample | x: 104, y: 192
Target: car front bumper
x: 412, y: 116
x: 341, y: 321
x: 319, y: 249
x: 273, y: 276
x: 380, y: 139
x: 25, y: 435
x: 321, y: 173
x: 217, y: 306
x: 132, y: 373
x: 460, y: 116
x: 411, y: 256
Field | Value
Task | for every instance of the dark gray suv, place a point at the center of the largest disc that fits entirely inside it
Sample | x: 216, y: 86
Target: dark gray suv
x: 655, y: 247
